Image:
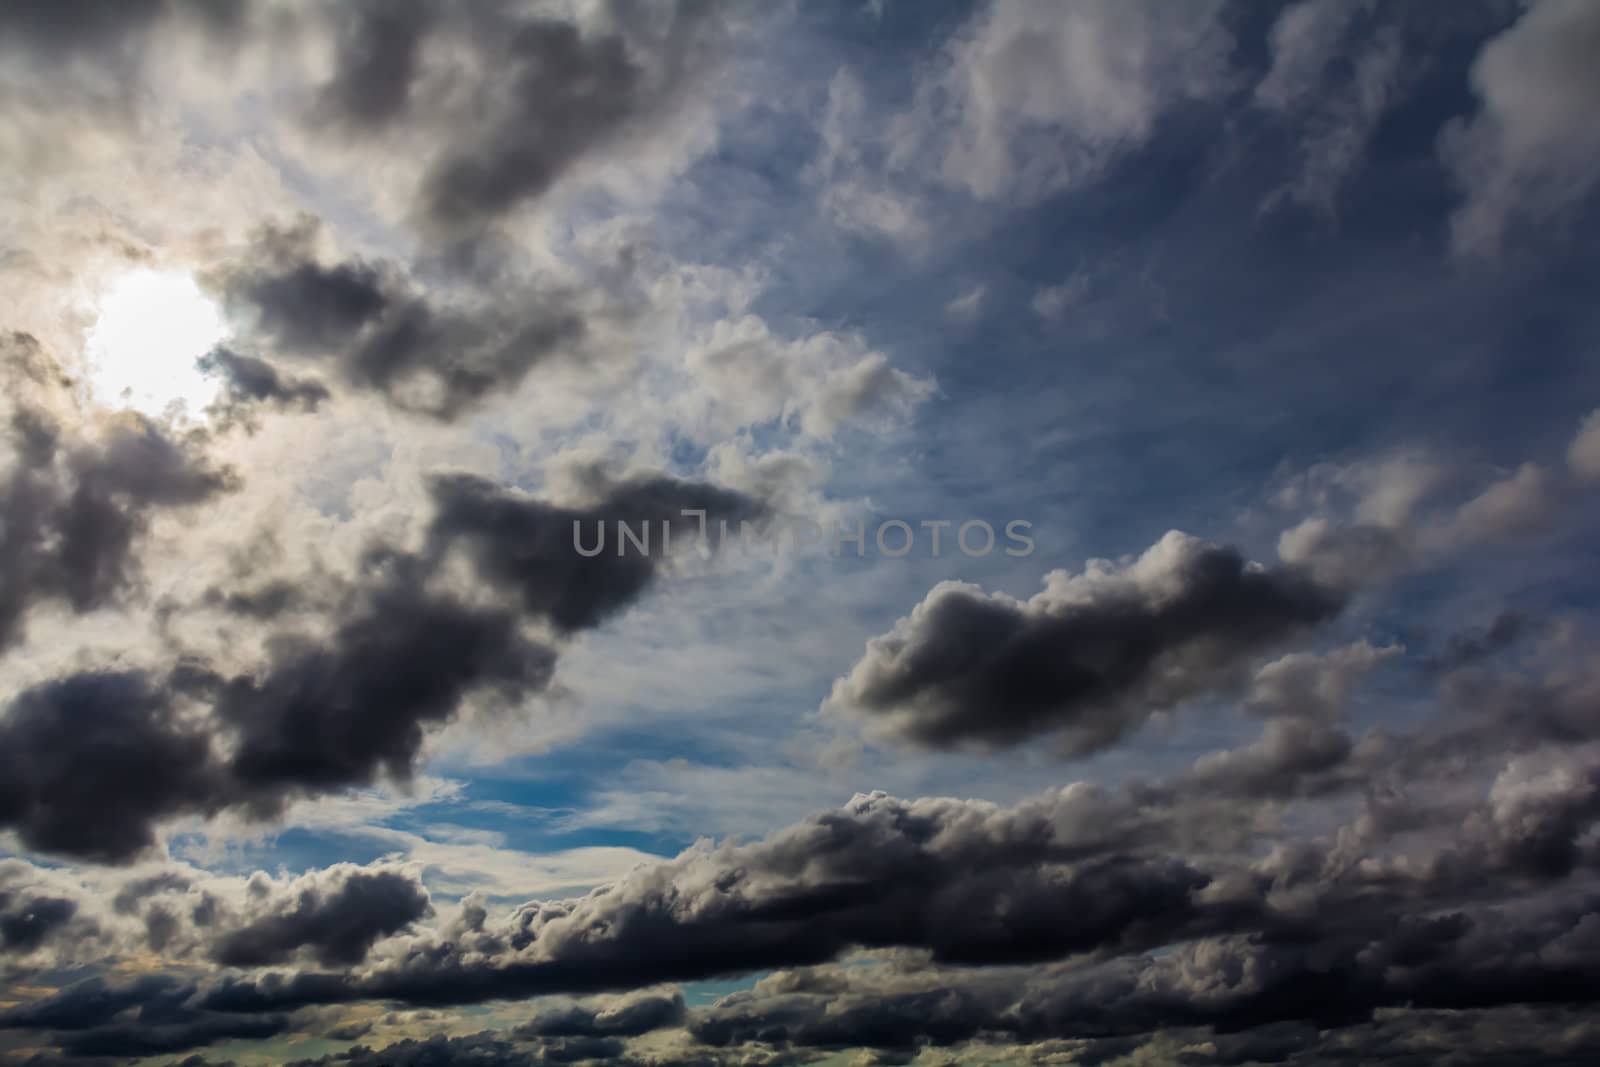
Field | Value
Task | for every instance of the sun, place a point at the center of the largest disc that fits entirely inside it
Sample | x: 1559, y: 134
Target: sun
x: 142, y: 348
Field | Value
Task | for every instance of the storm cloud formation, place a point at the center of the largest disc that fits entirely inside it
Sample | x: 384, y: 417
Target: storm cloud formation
x: 342, y: 709
x: 1087, y: 659
x: 338, y: 918
x: 1088, y: 914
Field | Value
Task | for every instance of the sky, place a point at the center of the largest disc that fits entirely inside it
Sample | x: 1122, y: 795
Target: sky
x: 693, y: 533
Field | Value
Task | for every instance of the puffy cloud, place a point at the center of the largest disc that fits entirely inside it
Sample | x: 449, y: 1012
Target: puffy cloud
x: 745, y: 376
x: 336, y: 914
x: 403, y: 651
x: 1080, y: 915
x: 1529, y: 154
x: 622, y: 1016
x: 1039, y: 99
x: 90, y: 760
x: 1088, y: 659
x: 520, y: 543
x: 1312, y: 686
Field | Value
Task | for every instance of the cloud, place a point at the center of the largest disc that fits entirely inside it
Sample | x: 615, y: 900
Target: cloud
x: 336, y: 914
x: 1336, y: 101
x: 77, y: 498
x: 1052, y: 302
x: 92, y: 759
x: 1583, y: 454
x: 1024, y: 100
x: 377, y: 330
x: 1530, y: 154
x: 1198, y: 902
x: 1374, y: 521
x: 402, y: 653
x: 1040, y: 99
x: 1085, y: 661
x: 623, y: 1016
x: 526, y: 545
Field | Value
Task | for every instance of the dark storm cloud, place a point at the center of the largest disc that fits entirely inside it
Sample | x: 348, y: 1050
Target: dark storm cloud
x: 628, y: 1017
x: 403, y: 654
x: 487, y: 1049
x: 1272, y: 927
x: 93, y: 761
x: 248, y: 379
x: 968, y: 885
x: 337, y: 922
x: 376, y: 330
x: 75, y: 503
x: 1088, y: 659
x: 1173, y: 905
x: 1327, y: 980
x: 90, y: 761
x: 379, y: 42
x: 26, y: 920
x: 149, y: 1016
x: 330, y: 713
x: 565, y: 95
x: 518, y: 542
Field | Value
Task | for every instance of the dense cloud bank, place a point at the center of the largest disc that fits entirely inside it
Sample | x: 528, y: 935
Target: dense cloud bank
x: 1087, y: 914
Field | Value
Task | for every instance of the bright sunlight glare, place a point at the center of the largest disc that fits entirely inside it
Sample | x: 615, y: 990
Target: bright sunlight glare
x: 142, y: 349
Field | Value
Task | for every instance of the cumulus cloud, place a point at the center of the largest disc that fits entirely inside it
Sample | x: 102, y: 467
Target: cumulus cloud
x: 1374, y: 520
x: 746, y: 376
x: 402, y: 653
x: 337, y: 915
x: 1529, y: 154
x: 1086, y: 660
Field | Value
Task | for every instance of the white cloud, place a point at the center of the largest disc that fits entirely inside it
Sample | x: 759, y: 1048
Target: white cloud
x: 1583, y: 455
x: 1042, y: 95
x: 968, y: 306
x: 1054, y: 301
x: 1533, y: 150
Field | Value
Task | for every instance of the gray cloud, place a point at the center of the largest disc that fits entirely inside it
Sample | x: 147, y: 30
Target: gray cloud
x: 320, y: 714
x: 77, y: 499
x: 1529, y: 155
x: 338, y: 916
x: 251, y: 380
x: 1088, y: 659
x: 375, y: 329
